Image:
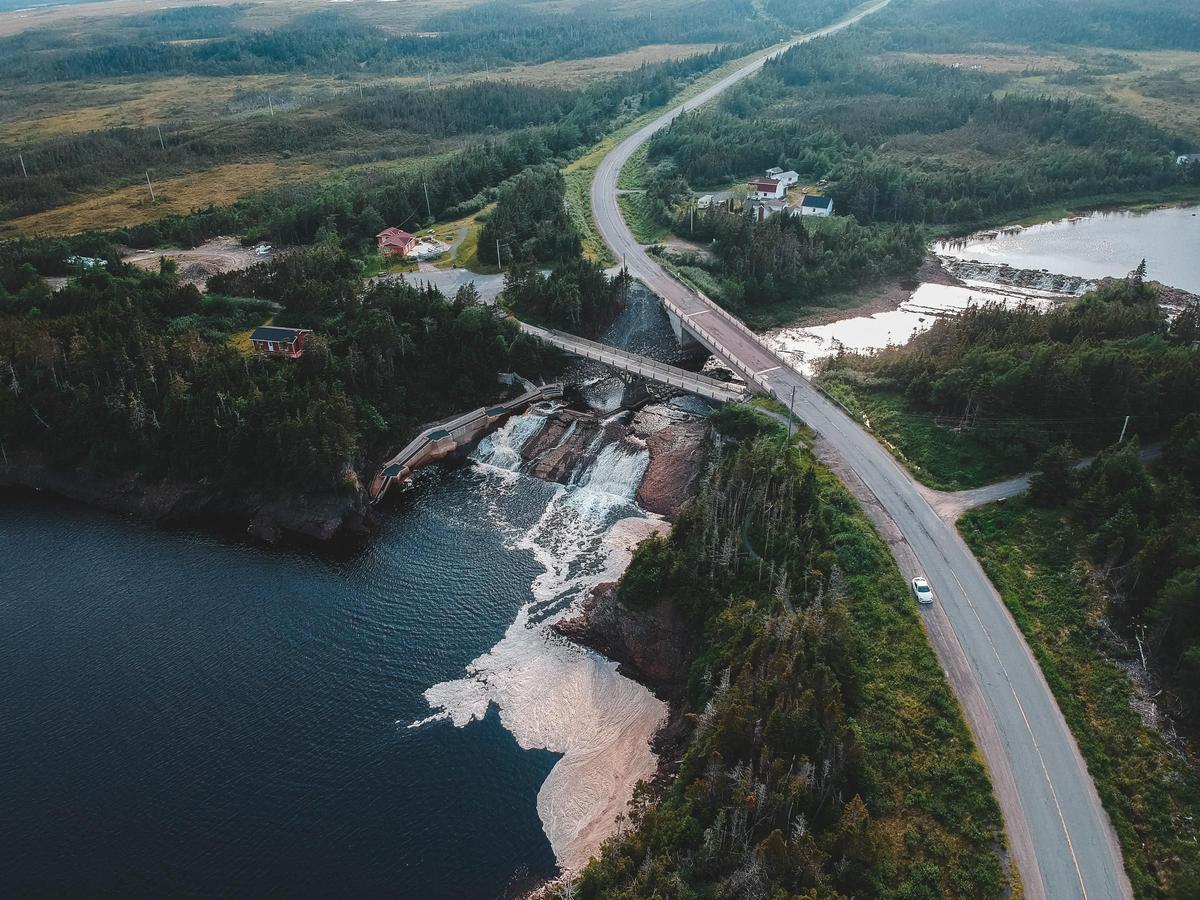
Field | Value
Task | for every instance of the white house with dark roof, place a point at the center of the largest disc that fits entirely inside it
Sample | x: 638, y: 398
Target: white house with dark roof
x: 816, y: 206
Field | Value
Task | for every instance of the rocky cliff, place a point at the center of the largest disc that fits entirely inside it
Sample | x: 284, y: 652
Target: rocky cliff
x: 678, y: 446
x: 651, y: 644
x: 319, y: 516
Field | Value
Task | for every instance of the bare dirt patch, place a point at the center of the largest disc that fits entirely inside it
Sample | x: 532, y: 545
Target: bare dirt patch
x: 197, y: 265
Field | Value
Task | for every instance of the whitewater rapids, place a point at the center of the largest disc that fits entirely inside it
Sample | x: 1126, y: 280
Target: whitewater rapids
x: 551, y: 693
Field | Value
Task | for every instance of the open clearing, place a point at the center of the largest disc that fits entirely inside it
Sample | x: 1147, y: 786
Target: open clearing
x: 130, y: 205
x: 196, y: 266
x: 1161, y: 86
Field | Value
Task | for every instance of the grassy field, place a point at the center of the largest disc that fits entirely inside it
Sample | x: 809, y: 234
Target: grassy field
x: 132, y: 204
x: 1150, y: 791
x: 939, y: 457
x: 1160, y: 86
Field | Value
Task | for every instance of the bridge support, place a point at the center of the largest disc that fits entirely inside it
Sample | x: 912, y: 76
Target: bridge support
x: 683, y: 337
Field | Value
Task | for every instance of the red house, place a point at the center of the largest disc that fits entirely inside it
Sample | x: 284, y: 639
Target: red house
x: 393, y: 240
x: 272, y: 341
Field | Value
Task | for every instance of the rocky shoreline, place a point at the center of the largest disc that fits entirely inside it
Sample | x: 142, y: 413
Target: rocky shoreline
x: 316, y: 517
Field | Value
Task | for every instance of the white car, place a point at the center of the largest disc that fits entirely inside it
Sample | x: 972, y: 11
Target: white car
x: 922, y: 590
x: 262, y: 249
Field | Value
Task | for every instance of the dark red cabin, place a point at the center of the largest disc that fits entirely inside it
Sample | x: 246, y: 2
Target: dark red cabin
x: 271, y: 340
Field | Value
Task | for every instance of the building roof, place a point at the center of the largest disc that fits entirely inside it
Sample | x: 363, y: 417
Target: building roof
x: 764, y: 184
x: 395, y: 236
x: 275, y: 333
x: 774, y: 171
x: 817, y: 202
x: 789, y: 174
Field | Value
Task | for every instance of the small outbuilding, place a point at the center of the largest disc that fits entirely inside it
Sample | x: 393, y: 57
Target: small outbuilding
x: 271, y: 340
x: 816, y: 206
x: 761, y: 210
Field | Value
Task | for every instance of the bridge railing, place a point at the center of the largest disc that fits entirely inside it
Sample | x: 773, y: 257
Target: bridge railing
x: 455, y: 429
x: 638, y: 365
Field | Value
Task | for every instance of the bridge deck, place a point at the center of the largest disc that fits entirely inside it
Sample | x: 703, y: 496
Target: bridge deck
x: 647, y: 368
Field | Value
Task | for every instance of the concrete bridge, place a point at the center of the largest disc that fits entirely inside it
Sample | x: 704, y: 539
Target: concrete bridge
x: 439, y: 441
x: 652, y: 370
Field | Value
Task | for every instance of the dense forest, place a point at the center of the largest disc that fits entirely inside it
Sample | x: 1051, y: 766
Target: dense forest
x: 915, y: 142
x: 947, y: 25
x: 785, y: 260
x: 1145, y: 535
x: 530, y: 222
x: 1028, y: 380
x: 497, y: 33
x: 577, y: 296
x: 826, y: 757
x: 126, y: 371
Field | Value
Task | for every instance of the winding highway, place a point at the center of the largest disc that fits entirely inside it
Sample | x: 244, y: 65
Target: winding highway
x: 1059, y: 834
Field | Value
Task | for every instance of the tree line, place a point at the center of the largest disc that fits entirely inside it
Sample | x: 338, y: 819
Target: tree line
x: 127, y: 371
x: 496, y: 34
x: 949, y: 25
x: 544, y: 123
x: 793, y: 772
x: 783, y: 259
x: 916, y: 142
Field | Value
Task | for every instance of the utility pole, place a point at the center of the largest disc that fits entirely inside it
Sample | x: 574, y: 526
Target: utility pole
x: 692, y: 226
x: 270, y: 103
x: 21, y: 157
x: 150, y: 185
x: 158, y: 128
x: 1123, y: 427
x: 428, y: 208
x: 499, y: 263
x: 791, y: 403
x: 360, y: 90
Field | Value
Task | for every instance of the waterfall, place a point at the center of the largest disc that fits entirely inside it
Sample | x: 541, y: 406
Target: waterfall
x: 617, y: 471
x: 502, y: 448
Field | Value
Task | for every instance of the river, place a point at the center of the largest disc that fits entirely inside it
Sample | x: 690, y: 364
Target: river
x: 1073, y: 252
x: 183, y: 714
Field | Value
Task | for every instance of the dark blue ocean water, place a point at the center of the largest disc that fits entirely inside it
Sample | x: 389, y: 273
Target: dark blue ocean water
x: 180, y: 715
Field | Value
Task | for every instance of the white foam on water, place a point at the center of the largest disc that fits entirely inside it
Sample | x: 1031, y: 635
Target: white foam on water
x: 502, y: 448
x: 803, y: 347
x: 551, y: 693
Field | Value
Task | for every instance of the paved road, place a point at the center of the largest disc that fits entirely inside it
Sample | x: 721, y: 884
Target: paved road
x: 448, y: 281
x: 1059, y: 834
